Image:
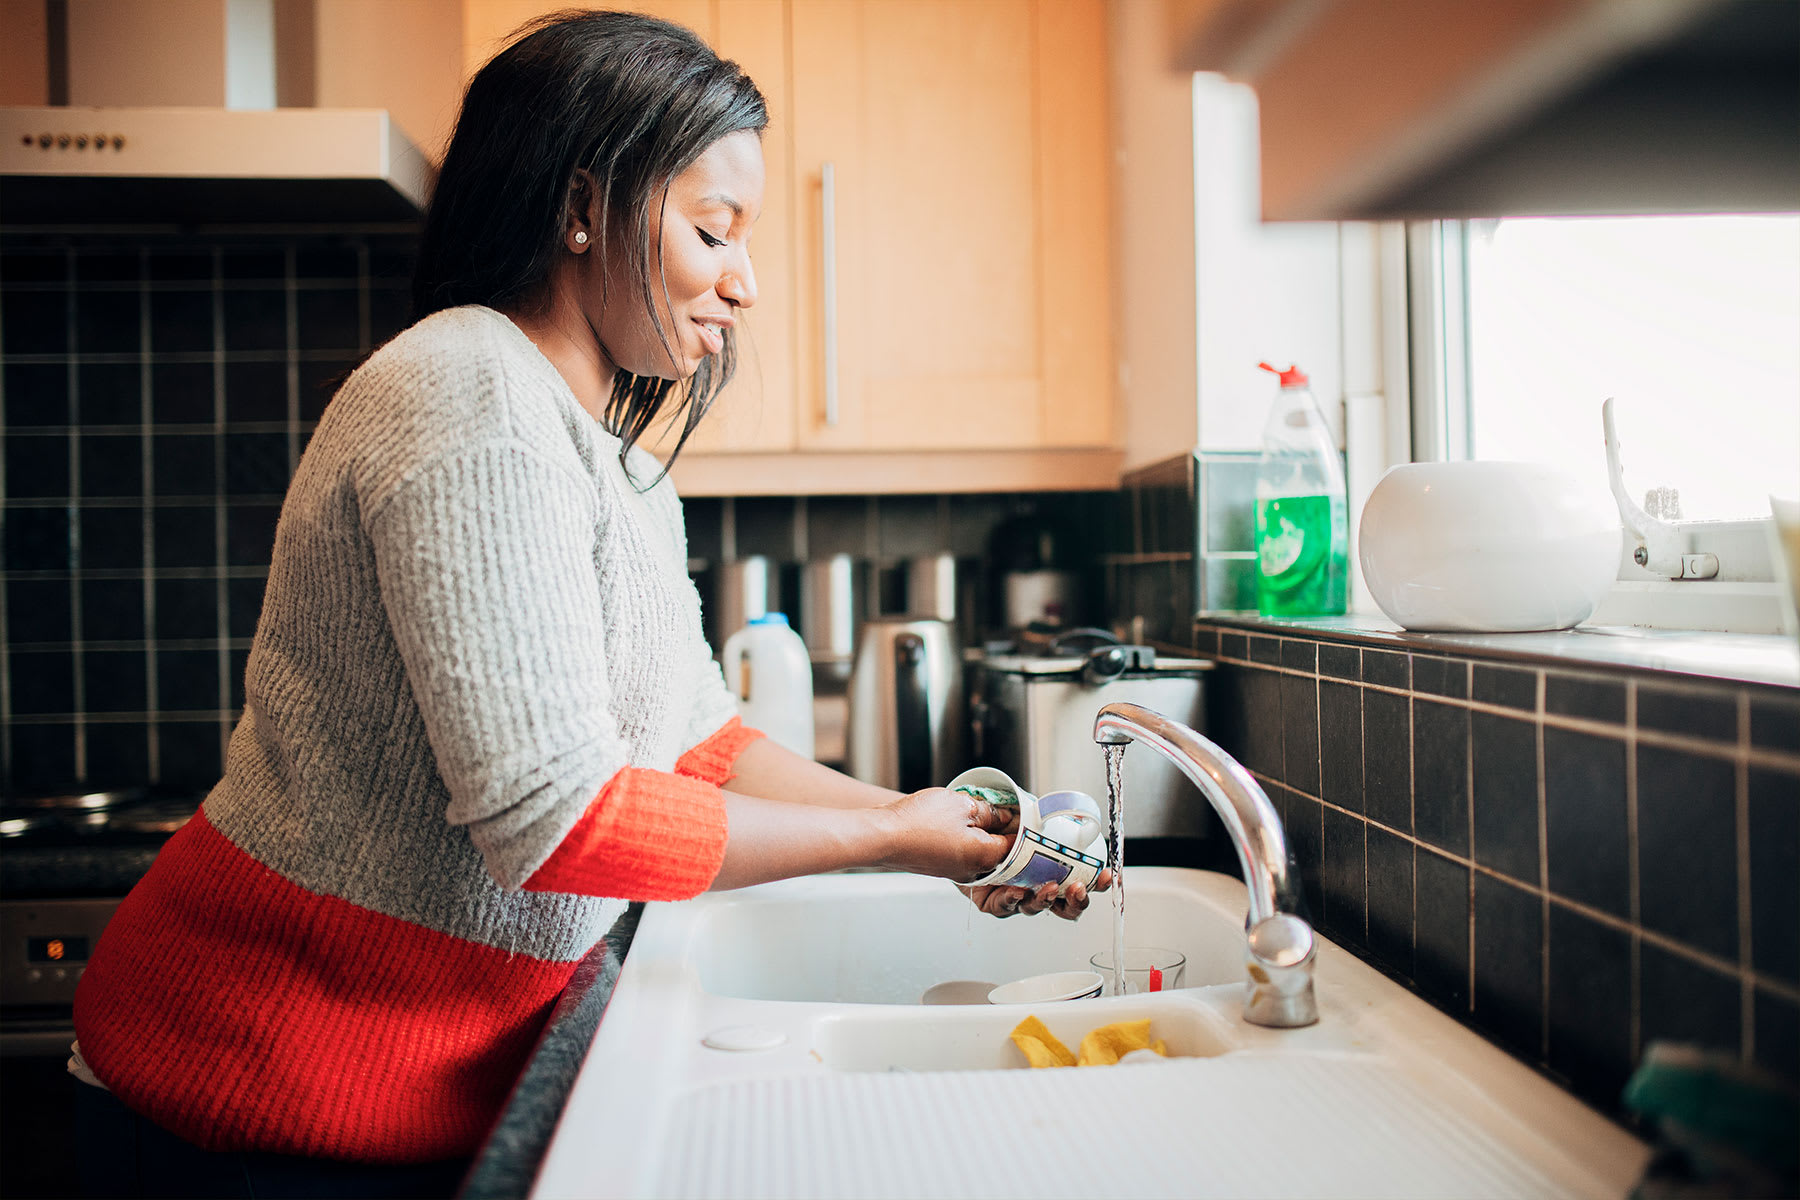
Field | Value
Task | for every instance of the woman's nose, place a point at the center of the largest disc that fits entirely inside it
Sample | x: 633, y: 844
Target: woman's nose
x: 738, y: 284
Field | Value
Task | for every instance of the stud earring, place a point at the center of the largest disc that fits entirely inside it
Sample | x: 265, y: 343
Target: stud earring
x: 580, y: 237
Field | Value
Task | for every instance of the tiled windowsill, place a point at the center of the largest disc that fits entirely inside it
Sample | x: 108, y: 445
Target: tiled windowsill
x: 1738, y: 657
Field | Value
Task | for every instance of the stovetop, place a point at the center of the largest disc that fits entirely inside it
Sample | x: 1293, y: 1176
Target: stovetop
x: 96, y: 848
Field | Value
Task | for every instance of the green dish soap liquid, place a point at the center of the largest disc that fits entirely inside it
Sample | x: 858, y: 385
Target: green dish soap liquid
x: 1302, y: 524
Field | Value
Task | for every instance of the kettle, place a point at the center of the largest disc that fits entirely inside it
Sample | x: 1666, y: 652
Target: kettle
x: 906, y: 704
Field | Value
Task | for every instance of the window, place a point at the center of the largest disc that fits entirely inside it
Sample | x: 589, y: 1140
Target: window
x: 1692, y: 323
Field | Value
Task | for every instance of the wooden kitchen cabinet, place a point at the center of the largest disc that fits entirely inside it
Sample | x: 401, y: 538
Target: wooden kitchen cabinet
x: 968, y: 142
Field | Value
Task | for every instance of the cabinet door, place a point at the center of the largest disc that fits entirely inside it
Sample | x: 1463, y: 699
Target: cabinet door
x: 967, y: 237
x: 755, y: 413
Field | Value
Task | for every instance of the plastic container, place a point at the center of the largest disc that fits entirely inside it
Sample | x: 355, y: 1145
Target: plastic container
x: 769, y: 671
x: 1302, y: 522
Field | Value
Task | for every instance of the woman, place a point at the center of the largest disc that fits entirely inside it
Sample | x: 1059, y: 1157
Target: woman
x: 480, y: 715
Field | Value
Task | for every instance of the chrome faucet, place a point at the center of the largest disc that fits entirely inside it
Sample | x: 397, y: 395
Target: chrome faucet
x: 1279, y: 992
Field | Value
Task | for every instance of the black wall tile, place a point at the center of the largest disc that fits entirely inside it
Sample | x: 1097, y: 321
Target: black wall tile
x: 190, y: 753
x: 1774, y: 722
x: 838, y: 525
x: 181, y: 322
x: 187, y: 680
x: 1341, y: 876
x: 43, y: 758
x: 1777, y: 1034
x: 182, y: 392
x: 115, y: 680
x: 1233, y: 645
x: 250, y: 534
x: 1265, y: 650
x: 107, y: 322
x: 1387, y: 759
x: 1300, y: 733
x: 36, y: 394
x: 1298, y: 654
x: 253, y: 262
x: 1441, y: 775
x: 257, y: 320
x: 1687, y: 848
x: 1505, y: 800
x: 244, y: 598
x: 112, y: 466
x: 1228, y: 710
x: 181, y: 464
x: 186, y: 609
x: 328, y: 319
x: 111, y: 538
x: 1581, y: 696
x: 1440, y: 676
x: 37, y: 539
x: 37, y: 610
x: 1441, y: 958
x: 1584, y: 818
x: 1505, y: 685
x: 110, y: 393
x: 185, y: 537
x: 1509, y: 963
x: 1386, y: 669
x: 180, y: 265
x: 1693, y: 713
x: 107, y: 266
x: 34, y: 322
x: 1341, y: 744
x: 118, y: 753
x: 1340, y: 662
x: 112, y: 610
x: 37, y: 466
x: 1775, y: 873
x: 326, y: 261
x: 1390, y: 878
x: 254, y: 391
x: 43, y: 682
x: 1262, y: 722
x: 1590, y: 1005
x: 1306, y: 842
x: 256, y: 464
x: 1682, y: 1001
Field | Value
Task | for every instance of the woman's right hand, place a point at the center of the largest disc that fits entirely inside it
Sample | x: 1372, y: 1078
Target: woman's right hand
x: 948, y: 834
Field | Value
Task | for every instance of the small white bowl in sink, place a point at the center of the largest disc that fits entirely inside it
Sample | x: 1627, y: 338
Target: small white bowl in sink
x: 1049, y: 989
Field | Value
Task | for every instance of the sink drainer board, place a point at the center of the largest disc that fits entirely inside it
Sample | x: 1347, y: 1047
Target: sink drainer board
x: 1282, y: 1127
x: 861, y: 1091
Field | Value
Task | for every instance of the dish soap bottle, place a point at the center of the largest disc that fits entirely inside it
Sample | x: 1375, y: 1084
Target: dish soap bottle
x: 1302, y: 527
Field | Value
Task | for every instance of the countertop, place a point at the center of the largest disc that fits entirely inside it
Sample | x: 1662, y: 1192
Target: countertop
x: 507, y: 1165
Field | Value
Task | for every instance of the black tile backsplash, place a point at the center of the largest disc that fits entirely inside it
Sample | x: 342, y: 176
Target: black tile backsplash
x: 1576, y: 880
x: 148, y: 435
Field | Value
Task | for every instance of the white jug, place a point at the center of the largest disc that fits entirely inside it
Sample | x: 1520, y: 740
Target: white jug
x: 769, y: 671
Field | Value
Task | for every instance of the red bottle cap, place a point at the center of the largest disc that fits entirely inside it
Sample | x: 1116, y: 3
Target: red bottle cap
x: 1292, y: 377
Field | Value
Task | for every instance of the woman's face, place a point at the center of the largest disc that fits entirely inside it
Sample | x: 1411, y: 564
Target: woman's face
x: 704, y: 232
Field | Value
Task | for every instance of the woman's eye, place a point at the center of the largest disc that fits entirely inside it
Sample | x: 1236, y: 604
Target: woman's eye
x: 708, y: 238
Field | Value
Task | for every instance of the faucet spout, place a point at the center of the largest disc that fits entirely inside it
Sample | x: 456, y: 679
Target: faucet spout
x: 1280, y: 942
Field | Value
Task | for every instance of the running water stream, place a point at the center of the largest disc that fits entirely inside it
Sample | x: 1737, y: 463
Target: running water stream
x: 1115, y: 857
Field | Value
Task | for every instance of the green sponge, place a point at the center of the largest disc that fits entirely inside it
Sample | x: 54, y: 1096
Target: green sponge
x: 998, y: 797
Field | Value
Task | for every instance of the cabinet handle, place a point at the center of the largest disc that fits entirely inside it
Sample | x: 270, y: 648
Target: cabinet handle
x: 828, y: 257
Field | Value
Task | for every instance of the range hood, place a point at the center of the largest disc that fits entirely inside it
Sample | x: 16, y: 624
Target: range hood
x: 166, y: 113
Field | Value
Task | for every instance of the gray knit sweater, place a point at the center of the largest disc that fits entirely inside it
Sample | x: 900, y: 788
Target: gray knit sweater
x: 473, y: 621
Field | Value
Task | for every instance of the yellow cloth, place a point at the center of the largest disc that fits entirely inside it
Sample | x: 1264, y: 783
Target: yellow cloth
x: 1101, y: 1048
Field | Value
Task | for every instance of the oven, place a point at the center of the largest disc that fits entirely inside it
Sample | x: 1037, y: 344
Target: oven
x: 65, y: 863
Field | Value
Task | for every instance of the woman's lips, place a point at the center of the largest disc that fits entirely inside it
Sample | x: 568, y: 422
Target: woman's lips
x: 711, y: 336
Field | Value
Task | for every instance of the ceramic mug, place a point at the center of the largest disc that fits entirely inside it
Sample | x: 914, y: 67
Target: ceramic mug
x: 1035, y: 858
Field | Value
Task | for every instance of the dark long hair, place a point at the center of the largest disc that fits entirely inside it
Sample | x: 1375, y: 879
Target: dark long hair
x: 629, y: 99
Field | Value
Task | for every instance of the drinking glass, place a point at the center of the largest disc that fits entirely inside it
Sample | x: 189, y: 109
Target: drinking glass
x: 1147, y: 969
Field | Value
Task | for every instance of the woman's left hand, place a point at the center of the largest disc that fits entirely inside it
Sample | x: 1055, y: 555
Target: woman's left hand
x: 1000, y: 900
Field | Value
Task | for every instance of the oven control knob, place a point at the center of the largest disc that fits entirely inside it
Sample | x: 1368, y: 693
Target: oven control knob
x: 34, y: 976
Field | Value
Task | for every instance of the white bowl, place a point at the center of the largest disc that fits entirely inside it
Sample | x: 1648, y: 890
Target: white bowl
x: 1488, y: 547
x: 1049, y: 989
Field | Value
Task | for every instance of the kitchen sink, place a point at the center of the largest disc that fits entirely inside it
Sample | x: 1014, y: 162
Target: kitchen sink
x: 770, y: 1042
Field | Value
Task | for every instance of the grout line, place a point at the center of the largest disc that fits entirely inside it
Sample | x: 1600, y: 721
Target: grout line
x: 6, y: 741
x: 1771, y: 984
x: 1541, y: 787
x: 1633, y: 896
x: 1746, y: 917
x: 77, y: 658
x: 147, y: 414
x: 1756, y: 755
x: 221, y: 537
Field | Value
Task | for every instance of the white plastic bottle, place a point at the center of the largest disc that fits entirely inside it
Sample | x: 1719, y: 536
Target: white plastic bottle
x: 769, y: 671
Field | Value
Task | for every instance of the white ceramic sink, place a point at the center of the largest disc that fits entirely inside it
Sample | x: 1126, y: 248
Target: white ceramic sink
x: 865, y: 1092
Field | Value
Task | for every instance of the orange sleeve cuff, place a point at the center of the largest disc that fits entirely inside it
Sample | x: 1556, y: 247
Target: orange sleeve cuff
x: 648, y: 835
x: 713, y: 759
